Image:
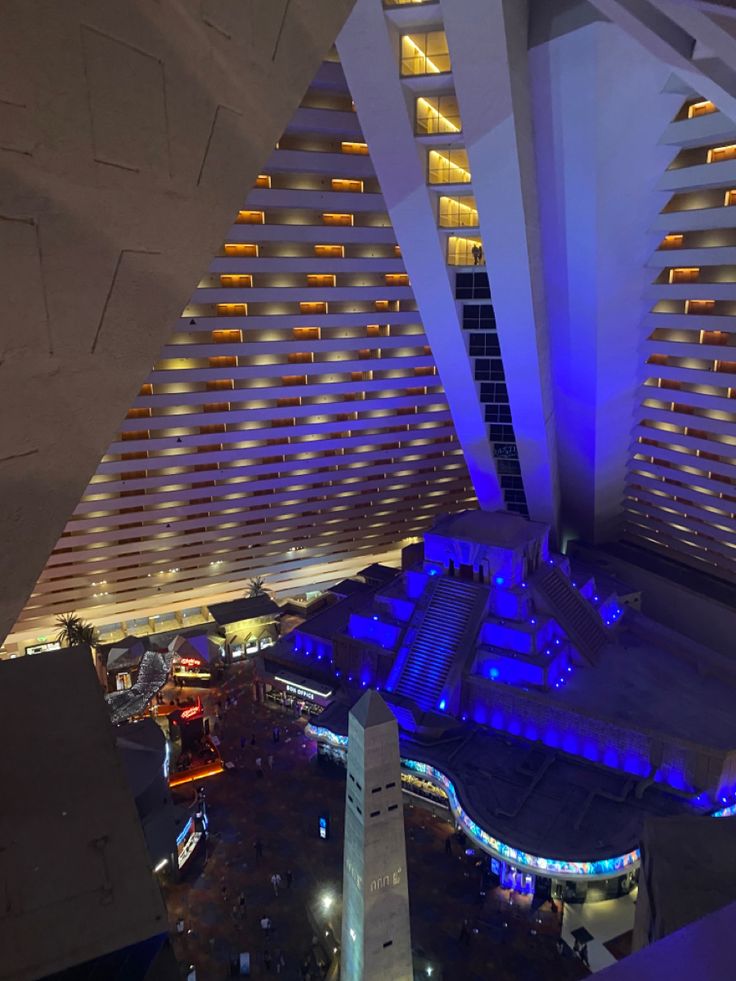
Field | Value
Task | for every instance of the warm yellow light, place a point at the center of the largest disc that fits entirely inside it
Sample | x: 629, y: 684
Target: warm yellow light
x: 433, y: 69
x: 450, y: 125
x: 700, y: 109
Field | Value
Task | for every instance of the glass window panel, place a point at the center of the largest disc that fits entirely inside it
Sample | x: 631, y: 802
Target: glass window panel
x: 438, y: 114
x: 448, y: 167
x: 458, y: 212
x: 424, y: 54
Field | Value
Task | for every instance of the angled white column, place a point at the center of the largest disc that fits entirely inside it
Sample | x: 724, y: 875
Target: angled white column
x: 598, y: 160
x: 487, y: 41
x: 376, y: 939
x: 370, y: 59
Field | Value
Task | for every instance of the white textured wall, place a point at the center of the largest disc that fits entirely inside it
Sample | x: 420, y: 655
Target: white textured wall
x: 127, y: 135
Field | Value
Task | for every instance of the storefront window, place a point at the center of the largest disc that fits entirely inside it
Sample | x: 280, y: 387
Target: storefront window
x: 424, y: 54
x: 437, y: 114
x: 458, y: 212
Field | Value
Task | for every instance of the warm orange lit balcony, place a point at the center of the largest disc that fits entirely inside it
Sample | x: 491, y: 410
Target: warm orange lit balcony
x: 227, y: 336
x: 684, y: 274
x: 236, y: 281
x: 223, y: 361
x: 333, y: 218
x: 674, y: 240
x: 718, y: 337
x: 232, y: 309
x: 700, y: 109
x: 241, y: 249
x: 340, y: 184
x: 319, y: 306
x: 717, y: 154
x: 250, y: 218
x: 220, y: 385
x: 396, y: 279
x: 263, y: 180
x: 305, y: 333
x: 397, y: 251
x: 360, y: 149
x: 700, y: 306
x: 330, y: 251
x: 729, y: 198
x: 320, y: 279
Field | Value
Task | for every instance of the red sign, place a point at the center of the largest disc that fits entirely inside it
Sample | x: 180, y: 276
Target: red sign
x: 190, y: 662
x: 193, y: 711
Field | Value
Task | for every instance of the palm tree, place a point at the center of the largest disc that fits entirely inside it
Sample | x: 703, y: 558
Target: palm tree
x: 75, y: 631
x: 87, y: 634
x: 70, y: 625
x: 256, y: 587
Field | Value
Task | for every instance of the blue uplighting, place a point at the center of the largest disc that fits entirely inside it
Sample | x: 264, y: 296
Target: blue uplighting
x: 499, y: 580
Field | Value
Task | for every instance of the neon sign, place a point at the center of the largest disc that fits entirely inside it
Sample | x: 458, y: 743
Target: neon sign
x: 193, y: 711
x: 190, y: 662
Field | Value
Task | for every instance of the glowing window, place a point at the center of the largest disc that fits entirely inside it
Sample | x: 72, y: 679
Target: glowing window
x: 320, y: 279
x: 437, y: 114
x: 717, y: 154
x: 227, y: 336
x: 729, y: 198
x: 330, y: 251
x: 305, y: 333
x: 340, y: 184
x: 458, y: 212
x: 348, y: 146
x: 263, y: 180
x: 397, y: 251
x: 309, y: 307
x: 673, y: 241
x: 396, y: 279
x: 220, y: 384
x: 332, y: 218
x: 240, y: 281
x: 424, y: 54
x: 685, y: 274
x: 241, y: 249
x: 250, y: 218
x: 460, y: 251
x: 700, y: 109
x: 700, y: 306
x: 232, y: 309
x: 448, y: 167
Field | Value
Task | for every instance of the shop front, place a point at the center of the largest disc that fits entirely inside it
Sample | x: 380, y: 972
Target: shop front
x: 298, y: 694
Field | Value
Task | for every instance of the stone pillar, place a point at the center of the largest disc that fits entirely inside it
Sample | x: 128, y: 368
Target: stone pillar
x: 376, y: 940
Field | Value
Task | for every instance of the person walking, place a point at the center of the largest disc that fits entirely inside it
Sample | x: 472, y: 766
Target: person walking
x: 259, y: 767
x: 475, y: 253
x: 481, y: 260
x: 270, y: 762
x: 289, y: 878
x: 275, y: 883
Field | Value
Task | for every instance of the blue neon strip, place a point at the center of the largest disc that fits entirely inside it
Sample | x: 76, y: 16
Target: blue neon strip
x: 602, y: 867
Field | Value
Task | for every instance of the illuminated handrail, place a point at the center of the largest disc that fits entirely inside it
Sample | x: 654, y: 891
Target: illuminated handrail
x: 534, y: 863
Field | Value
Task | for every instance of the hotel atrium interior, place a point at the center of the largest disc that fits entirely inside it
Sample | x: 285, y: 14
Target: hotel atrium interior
x: 302, y: 291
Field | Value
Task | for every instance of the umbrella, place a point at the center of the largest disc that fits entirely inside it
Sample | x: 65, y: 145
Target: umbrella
x: 582, y: 935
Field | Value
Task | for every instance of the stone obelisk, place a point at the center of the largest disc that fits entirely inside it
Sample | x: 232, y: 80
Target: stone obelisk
x: 376, y: 941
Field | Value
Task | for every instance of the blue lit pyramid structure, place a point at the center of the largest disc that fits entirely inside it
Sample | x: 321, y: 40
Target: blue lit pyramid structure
x: 554, y: 719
